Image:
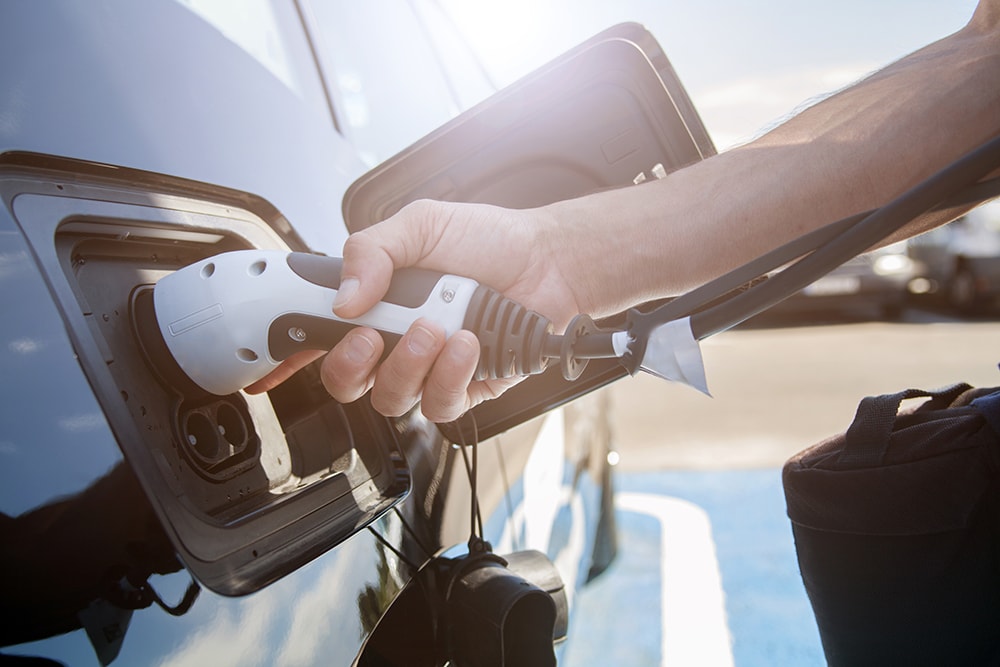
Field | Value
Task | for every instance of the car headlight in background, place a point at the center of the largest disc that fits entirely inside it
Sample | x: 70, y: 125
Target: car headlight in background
x: 892, y: 265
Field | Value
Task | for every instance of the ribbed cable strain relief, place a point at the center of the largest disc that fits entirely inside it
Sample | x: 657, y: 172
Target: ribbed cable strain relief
x: 511, y: 337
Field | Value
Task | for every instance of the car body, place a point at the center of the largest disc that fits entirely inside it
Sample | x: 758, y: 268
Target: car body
x: 146, y: 525
x: 962, y: 260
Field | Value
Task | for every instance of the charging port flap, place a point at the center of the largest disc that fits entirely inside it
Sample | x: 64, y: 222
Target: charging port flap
x: 609, y: 113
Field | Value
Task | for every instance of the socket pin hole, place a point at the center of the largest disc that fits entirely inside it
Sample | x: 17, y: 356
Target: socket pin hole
x: 246, y: 355
x: 208, y: 270
x: 231, y: 426
x: 201, y: 435
x: 257, y: 268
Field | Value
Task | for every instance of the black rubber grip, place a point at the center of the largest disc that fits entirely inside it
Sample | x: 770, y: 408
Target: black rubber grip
x: 295, y: 332
x: 409, y: 287
x: 511, y: 337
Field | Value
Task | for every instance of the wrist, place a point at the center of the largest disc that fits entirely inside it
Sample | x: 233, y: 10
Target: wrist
x: 606, y: 248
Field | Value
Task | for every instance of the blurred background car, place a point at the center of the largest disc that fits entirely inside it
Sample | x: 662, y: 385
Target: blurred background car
x: 876, y: 284
x: 961, y: 260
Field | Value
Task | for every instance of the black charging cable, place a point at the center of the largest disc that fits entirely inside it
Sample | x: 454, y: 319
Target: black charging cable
x: 856, y: 238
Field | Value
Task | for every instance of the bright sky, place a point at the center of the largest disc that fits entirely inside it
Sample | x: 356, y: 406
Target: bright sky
x: 746, y: 64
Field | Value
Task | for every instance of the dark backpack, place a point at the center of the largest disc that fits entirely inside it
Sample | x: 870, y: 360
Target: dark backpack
x: 896, y: 525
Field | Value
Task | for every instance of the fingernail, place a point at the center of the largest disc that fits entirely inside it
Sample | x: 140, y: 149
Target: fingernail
x: 420, y: 340
x: 359, y: 349
x: 463, y: 350
x: 348, y: 288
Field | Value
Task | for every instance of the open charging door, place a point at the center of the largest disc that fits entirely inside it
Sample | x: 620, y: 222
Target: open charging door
x: 610, y: 113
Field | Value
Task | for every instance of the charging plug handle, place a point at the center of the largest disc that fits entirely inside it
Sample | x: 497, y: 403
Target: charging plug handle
x: 230, y: 319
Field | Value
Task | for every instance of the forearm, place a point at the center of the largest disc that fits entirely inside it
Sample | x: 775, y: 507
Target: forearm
x: 852, y: 152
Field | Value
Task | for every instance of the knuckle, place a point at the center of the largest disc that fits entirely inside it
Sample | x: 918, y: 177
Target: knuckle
x: 419, y: 208
x: 390, y: 404
x: 354, y: 245
x: 345, y: 377
x: 396, y: 390
x: 443, y: 397
x: 335, y: 384
x: 440, y: 413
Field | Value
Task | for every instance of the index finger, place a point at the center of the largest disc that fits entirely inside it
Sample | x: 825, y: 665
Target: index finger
x: 371, y: 255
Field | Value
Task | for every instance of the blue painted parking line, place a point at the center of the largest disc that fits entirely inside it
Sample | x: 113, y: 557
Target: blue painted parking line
x: 706, y: 575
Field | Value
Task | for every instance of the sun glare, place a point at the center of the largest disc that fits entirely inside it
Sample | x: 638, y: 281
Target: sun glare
x: 511, y: 37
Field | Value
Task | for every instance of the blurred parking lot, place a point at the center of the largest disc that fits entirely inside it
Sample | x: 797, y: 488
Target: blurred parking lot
x: 699, y: 482
x: 779, y: 385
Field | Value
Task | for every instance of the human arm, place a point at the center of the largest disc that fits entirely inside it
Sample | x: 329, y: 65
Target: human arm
x: 852, y: 152
x: 605, y: 252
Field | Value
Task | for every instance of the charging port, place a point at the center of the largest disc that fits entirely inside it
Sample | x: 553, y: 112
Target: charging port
x: 248, y: 488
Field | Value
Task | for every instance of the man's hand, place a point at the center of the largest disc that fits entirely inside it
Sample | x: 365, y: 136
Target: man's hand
x: 495, y: 246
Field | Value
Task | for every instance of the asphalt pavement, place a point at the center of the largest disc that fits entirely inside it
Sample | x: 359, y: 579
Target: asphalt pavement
x: 706, y: 573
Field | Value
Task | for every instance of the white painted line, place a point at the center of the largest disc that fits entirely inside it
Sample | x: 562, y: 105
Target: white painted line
x: 543, y: 482
x: 692, y: 604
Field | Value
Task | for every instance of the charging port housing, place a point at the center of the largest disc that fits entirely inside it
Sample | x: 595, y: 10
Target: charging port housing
x: 248, y: 487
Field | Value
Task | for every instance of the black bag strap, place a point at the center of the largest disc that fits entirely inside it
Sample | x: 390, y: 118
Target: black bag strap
x: 867, y: 439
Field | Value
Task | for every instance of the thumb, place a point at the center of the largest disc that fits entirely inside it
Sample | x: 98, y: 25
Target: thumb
x: 372, y: 254
x: 364, y: 277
